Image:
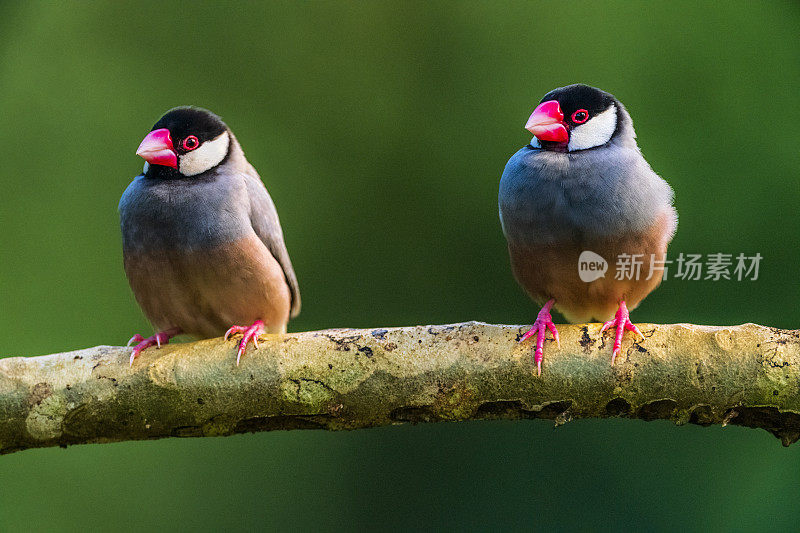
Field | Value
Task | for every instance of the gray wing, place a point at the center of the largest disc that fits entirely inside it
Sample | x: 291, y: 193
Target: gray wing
x: 264, y: 218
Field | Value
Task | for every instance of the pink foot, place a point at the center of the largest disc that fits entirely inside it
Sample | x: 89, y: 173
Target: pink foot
x: 543, y: 323
x: 248, y: 334
x: 622, y: 322
x: 158, y: 339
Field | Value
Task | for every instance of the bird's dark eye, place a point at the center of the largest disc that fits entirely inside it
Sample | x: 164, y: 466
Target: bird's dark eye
x: 190, y: 143
x: 580, y: 116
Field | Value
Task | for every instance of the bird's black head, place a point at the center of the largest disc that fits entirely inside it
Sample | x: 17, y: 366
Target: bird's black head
x: 186, y: 141
x: 575, y: 117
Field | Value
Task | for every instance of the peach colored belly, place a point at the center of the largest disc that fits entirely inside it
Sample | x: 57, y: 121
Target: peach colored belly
x: 204, y: 292
x: 551, y: 271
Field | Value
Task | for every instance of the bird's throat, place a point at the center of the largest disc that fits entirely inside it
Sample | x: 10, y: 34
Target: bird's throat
x: 553, y: 146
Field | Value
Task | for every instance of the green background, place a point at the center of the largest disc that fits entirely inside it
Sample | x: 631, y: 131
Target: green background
x: 381, y: 130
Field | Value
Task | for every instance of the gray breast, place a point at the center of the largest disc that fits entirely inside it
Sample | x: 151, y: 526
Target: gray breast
x: 549, y: 197
x: 191, y: 213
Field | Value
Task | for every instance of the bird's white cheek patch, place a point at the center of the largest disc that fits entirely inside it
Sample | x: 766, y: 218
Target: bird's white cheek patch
x: 206, y: 156
x: 597, y: 131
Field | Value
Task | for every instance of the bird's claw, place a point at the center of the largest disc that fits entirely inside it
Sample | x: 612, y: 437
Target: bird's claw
x: 135, y: 338
x: 623, y: 323
x: 162, y: 337
x: 233, y: 330
x: 543, y: 323
x: 249, y: 333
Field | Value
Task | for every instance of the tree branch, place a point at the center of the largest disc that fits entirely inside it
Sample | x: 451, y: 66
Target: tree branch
x: 345, y: 379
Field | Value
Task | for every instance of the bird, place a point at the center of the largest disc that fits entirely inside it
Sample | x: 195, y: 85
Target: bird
x: 203, y: 248
x: 581, y: 186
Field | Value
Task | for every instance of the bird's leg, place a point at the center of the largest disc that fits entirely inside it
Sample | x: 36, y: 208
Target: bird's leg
x: 162, y: 337
x: 543, y: 323
x: 622, y: 322
x: 248, y: 333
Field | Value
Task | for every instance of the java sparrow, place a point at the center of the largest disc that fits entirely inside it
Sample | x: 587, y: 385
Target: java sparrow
x: 202, y: 244
x: 582, y: 184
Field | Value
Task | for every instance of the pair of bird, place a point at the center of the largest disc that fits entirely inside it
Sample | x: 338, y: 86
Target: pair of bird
x: 204, y: 250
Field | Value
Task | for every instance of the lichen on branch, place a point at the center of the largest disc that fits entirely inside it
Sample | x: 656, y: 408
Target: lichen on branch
x: 745, y: 375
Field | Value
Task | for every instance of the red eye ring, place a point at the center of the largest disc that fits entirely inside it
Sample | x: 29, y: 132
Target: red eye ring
x: 577, y: 118
x: 190, y: 143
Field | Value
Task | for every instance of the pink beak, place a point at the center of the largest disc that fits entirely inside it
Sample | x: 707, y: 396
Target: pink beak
x: 157, y: 149
x: 547, y: 122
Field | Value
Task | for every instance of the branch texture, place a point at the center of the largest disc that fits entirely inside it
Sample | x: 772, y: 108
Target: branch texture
x: 746, y: 375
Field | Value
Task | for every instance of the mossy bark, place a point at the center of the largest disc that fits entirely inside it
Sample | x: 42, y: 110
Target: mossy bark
x: 347, y: 378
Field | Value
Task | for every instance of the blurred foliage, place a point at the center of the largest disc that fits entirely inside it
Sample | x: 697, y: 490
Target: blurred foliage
x: 381, y: 130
